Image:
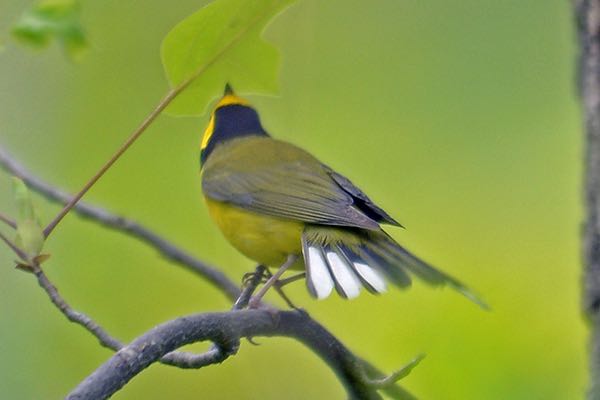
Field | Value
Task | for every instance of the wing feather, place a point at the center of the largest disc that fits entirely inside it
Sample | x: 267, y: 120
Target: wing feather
x: 361, y: 200
x: 284, y: 181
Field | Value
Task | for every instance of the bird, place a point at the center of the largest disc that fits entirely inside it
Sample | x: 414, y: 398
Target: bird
x: 280, y: 206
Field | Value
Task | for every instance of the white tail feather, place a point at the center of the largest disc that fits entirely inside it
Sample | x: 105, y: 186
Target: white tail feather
x: 346, y: 281
x: 370, y: 276
x: 318, y: 277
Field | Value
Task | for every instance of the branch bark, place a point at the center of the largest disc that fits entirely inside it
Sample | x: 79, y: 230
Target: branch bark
x: 361, y: 380
x: 180, y: 359
x: 587, y: 13
x: 222, y: 328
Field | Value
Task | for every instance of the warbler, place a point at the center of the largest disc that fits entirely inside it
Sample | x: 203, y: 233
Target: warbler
x: 283, y: 208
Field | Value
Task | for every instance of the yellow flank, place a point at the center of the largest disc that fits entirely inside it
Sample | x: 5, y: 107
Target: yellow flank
x: 264, y: 239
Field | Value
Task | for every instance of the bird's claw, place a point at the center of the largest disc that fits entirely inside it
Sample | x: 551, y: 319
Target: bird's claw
x: 248, y: 277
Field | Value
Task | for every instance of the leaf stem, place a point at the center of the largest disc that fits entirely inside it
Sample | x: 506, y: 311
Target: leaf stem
x: 166, y: 100
x: 125, y: 225
x: 134, y: 136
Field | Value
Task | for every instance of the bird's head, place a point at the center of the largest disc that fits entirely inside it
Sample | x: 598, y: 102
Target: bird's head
x: 232, y: 118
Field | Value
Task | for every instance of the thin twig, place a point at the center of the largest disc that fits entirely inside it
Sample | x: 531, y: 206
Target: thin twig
x: 20, y: 253
x: 389, y: 380
x: 8, y: 221
x: 217, y: 353
x: 177, y: 358
x: 394, y: 391
x: 134, y: 136
x: 105, y: 339
x: 132, y: 228
x: 166, y: 100
x: 167, y: 249
x: 345, y: 367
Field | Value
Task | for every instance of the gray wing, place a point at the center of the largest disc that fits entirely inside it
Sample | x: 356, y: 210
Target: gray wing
x: 287, y: 190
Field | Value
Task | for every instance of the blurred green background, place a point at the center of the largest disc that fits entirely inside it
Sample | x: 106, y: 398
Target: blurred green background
x: 459, y: 117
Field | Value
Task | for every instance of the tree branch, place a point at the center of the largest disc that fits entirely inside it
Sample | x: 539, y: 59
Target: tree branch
x: 217, y: 278
x: 115, y: 222
x: 217, y: 354
x: 105, y: 339
x: 224, y: 328
x: 163, y: 103
x: 180, y: 359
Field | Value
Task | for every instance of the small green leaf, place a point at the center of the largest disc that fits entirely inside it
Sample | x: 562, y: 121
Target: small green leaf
x: 53, y: 19
x: 30, y: 238
x: 30, y: 234
x: 23, y: 201
x: 221, y: 43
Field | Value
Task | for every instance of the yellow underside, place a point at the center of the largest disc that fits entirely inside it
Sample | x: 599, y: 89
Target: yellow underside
x: 264, y: 239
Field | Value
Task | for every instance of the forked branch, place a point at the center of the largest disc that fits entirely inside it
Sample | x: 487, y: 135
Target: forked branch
x: 225, y: 329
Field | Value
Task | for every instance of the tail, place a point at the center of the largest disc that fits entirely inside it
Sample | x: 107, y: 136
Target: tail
x: 348, y: 258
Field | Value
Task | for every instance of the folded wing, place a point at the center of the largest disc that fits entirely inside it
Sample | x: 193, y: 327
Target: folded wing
x: 284, y: 181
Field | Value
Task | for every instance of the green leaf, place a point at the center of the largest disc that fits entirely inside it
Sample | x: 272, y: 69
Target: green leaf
x: 221, y: 43
x: 23, y: 201
x: 30, y: 234
x: 53, y: 19
x: 30, y: 238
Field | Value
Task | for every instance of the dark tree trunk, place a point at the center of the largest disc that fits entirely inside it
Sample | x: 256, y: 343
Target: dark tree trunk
x: 587, y: 13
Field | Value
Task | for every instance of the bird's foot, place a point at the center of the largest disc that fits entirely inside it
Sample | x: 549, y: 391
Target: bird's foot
x: 248, y: 277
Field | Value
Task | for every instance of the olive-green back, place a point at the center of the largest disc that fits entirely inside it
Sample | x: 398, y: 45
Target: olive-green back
x: 276, y: 178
